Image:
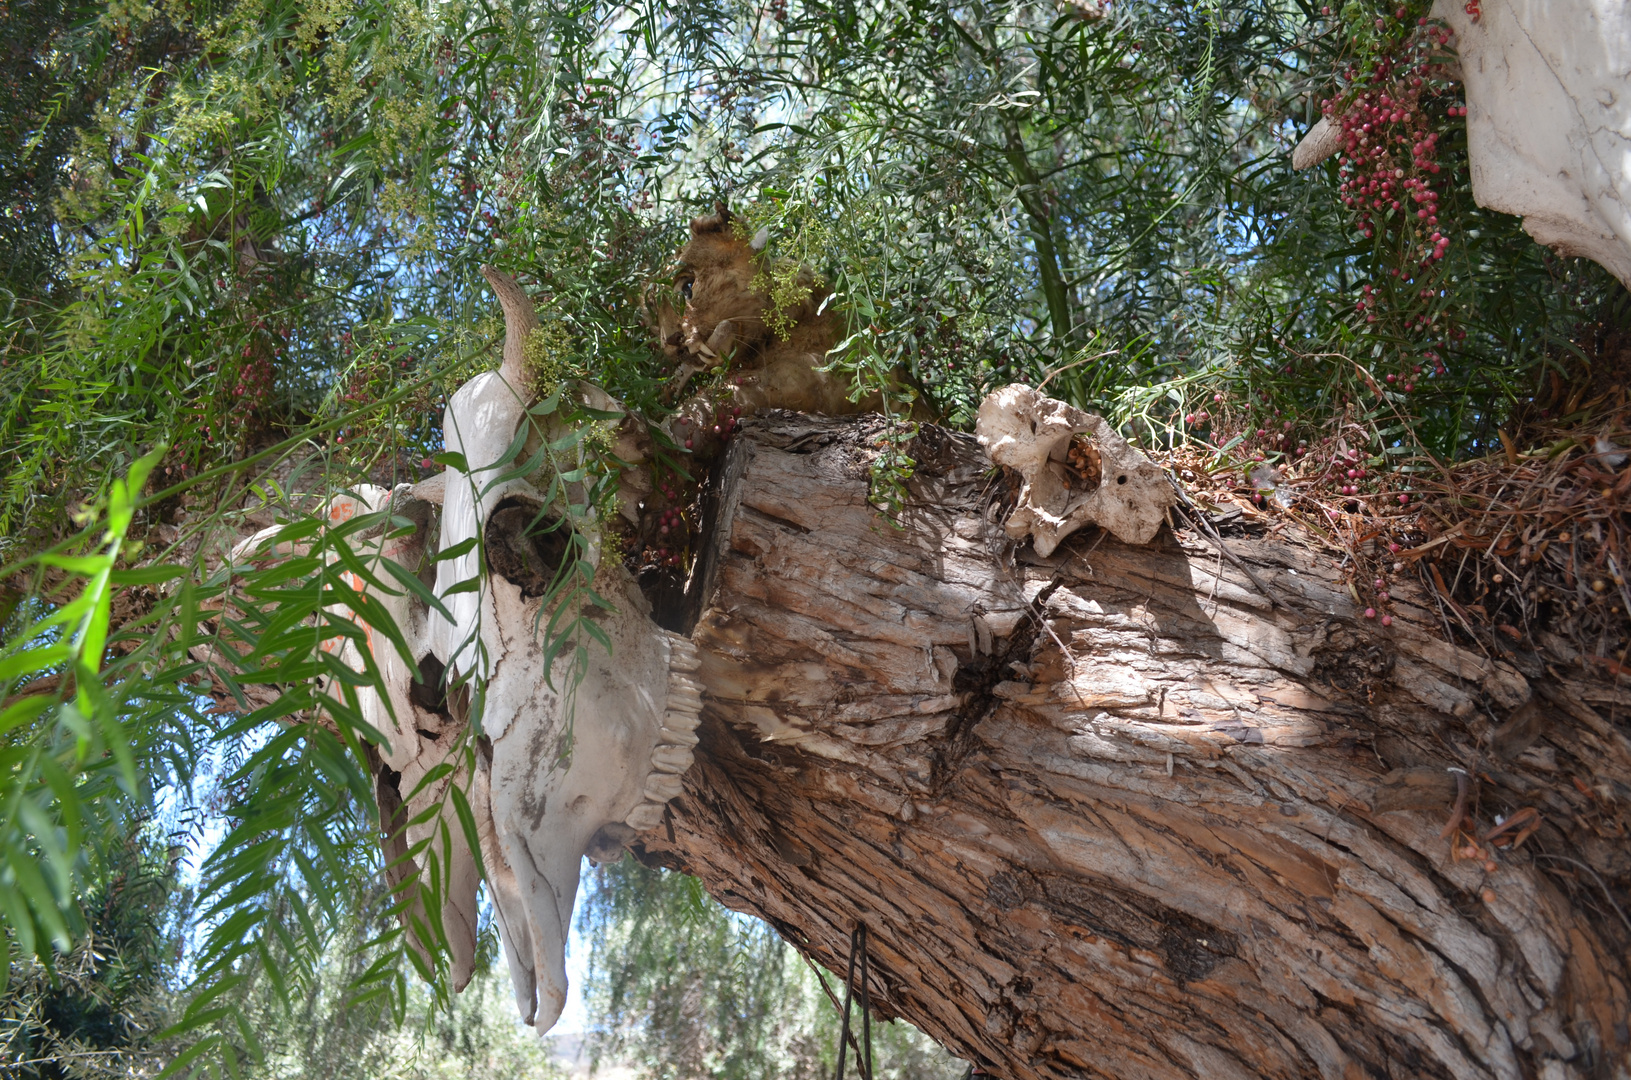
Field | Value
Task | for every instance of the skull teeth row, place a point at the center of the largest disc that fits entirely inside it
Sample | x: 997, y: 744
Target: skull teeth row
x: 683, y: 656
x: 672, y: 756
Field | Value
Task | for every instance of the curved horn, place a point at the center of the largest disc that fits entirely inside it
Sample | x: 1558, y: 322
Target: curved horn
x: 519, y: 321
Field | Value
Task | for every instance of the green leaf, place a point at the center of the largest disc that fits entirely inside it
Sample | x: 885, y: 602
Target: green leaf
x: 34, y: 661
x: 408, y: 580
x: 42, y: 901
x: 526, y: 468
x: 467, y: 824
x: 189, y: 1055
x: 453, y: 551
x: 451, y: 459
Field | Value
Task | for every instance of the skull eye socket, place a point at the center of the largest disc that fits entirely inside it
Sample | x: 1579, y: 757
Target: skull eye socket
x: 527, y: 545
x: 685, y: 288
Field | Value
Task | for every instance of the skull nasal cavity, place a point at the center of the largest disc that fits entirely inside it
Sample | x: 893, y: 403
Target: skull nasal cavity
x: 526, y: 545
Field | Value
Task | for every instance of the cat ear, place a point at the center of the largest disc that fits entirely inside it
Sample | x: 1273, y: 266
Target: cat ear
x: 712, y: 224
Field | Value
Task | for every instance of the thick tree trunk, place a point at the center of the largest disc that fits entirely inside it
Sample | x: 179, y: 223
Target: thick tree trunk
x: 1114, y: 814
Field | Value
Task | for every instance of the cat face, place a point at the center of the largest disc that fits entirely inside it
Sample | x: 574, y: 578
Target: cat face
x: 714, y: 286
x: 714, y: 315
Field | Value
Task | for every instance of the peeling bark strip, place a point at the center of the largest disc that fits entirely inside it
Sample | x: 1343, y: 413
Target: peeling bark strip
x: 1156, y: 854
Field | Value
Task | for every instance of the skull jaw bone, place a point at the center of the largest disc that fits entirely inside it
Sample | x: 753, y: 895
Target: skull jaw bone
x: 572, y: 774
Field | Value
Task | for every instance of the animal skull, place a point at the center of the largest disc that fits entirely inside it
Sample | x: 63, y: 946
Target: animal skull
x: 564, y: 767
x: 1035, y: 434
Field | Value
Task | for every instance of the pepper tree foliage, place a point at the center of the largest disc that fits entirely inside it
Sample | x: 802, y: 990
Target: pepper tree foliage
x: 242, y: 242
x: 93, y: 1010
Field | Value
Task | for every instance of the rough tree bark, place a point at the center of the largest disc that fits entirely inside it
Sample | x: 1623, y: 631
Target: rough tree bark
x: 1115, y: 813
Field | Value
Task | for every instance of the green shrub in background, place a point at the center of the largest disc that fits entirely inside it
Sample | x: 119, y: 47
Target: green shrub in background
x: 681, y: 989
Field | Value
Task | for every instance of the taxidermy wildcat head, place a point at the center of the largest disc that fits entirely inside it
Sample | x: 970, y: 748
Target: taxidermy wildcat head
x: 715, y: 317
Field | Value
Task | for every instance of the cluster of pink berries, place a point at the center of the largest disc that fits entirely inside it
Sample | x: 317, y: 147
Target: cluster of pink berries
x: 1381, y: 598
x: 670, y: 519
x: 256, y: 366
x: 254, y: 386
x: 1354, y: 472
x: 1277, y: 439
x: 1380, y: 588
x: 1343, y: 472
x: 1366, y: 303
x: 198, y: 412
x: 1389, y: 151
x: 673, y: 531
x: 726, y: 421
x: 1389, y: 178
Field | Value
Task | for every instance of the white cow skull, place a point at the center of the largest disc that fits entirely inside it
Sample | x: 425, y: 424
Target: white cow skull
x: 564, y: 767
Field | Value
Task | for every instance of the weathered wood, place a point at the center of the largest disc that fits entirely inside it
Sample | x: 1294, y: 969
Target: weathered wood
x: 1111, y: 814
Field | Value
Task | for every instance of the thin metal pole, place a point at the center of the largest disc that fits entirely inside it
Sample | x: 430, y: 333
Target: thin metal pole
x: 843, y: 1037
x: 866, y: 1001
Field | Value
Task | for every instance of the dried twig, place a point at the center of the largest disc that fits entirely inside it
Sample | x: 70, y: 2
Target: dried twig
x: 1463, y: 789
x: 1487, y: 536
x: 1195, y: 517
x: 1595, y: 877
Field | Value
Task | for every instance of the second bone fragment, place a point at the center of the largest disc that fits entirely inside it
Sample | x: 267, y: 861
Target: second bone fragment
x: 1033, y: 434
